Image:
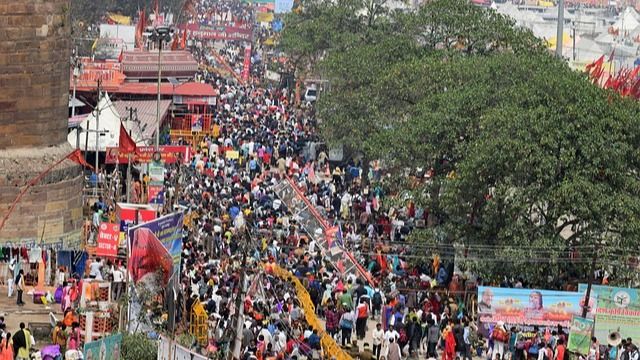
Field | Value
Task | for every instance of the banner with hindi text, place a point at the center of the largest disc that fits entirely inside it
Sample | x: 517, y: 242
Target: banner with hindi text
x: 618, y: 309
x: 526, y: 308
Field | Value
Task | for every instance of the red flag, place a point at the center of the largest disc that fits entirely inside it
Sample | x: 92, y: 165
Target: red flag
x: 183, y: 43
x: 121, y: 56
x: 174, y: 43
x: 382, y: 261
x: 126, y: 145
x: 142, y: 22
x: 76, y: 156
x: 595, y: 64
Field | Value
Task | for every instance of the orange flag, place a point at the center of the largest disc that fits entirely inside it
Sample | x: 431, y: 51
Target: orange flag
x: 76, y: 156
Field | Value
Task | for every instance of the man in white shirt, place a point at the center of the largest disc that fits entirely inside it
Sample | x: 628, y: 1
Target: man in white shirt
x: 391, y: 333
x: 95, y: 269
x: 378, y: 336
x: 118, y: 278
x: 280, y: 340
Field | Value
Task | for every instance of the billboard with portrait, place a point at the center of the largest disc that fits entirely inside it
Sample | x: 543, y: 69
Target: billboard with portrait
x: 526, y: 308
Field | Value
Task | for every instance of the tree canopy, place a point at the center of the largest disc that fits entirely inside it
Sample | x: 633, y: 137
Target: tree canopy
x: 529, y: 159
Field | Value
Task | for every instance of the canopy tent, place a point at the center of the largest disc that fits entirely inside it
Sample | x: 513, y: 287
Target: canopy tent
x: 119, y: 19
x: 629, y: 20
x: 109, y: 126
x: 567, y: 41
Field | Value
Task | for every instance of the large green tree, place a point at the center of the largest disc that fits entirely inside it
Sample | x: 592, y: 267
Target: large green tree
x: 545, y: 163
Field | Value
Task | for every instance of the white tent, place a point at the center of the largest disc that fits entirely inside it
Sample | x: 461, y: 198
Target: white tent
x: 629, y: 20
x: 109, y: 126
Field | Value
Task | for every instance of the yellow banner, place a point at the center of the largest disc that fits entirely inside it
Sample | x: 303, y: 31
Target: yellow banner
x: 329, y: 346
x: 264, y: 17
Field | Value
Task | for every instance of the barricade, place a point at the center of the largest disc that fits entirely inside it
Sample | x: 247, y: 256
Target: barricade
x: 329, y: 346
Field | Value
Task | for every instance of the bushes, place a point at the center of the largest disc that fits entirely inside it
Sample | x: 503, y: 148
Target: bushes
x: 138, y: 347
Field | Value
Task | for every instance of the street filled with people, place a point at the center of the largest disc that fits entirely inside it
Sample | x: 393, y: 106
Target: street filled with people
x: 240, y: 235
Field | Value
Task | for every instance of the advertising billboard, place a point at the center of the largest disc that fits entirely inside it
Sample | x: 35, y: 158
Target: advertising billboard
x: 526, y: 308
x: 618, y: 309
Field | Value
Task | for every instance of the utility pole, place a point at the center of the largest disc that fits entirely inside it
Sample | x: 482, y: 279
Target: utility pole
x: 158, y: 102
x: 574, y: 40
x: 131, y: 111
x: 96, y: 169
x: 242, y: 289
x: 77, y: 68
x: 587, y: 295
x: 560, y: 32
x: 77, y: 65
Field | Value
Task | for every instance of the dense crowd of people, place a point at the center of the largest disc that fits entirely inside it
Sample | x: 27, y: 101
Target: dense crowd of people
x: 239, y: 228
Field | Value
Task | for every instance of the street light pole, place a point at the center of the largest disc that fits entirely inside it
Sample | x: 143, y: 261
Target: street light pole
x: 76, y: 74
x: 560, y: 31
x: 158, y: 102
x: 160, y: 34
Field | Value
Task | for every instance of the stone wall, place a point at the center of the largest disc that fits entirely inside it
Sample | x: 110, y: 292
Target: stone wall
x: 35, y: 38
x: 34, y: 72
x: 54, y: 210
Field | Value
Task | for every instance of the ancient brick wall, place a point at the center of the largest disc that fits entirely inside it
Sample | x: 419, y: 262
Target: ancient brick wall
x: 34, y: 72
x: 51, y: 212
x: 35, y: 40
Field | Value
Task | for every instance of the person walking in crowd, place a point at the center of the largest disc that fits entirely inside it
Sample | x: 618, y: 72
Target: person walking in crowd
x: 6, y: 347
x: 22, y: 342
x: 20, y: 287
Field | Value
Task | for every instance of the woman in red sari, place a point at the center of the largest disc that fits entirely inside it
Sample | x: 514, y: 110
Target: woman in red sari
x: 449, y: 352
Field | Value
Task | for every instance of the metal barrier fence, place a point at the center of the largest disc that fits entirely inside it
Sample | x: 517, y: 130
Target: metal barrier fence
x: 331, y: 349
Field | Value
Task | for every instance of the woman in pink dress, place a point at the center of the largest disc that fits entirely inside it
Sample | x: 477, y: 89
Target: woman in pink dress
x: 74, y: 337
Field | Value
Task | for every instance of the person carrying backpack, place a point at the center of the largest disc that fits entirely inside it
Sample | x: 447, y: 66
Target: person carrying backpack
x: 346, y: 325
x: 376, y: 303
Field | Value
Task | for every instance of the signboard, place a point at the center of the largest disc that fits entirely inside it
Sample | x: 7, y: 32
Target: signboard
x: 107, y: 348
x: 580, y: 335
x: 126, y: 215
x: 171, y: 350
x: 283, y: 6
x: 156, y: 194
x: 246, y: 70
x: 526, y: 308
x: 227, y: 33
x: 171, y: 154
x: 156, y: 173
x: 145, y: 257
x: 108, y: 240
x: 259, y: 1
x: 618, y: 309
x: 197, y: 121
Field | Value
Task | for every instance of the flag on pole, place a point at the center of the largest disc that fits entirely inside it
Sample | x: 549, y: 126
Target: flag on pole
x: 126, y: 144
x: 183, y: 43
x: 76, y: 156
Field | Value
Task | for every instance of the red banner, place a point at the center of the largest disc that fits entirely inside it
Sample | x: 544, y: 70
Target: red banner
x: 108, y: 239
x: 144, y: 154
x: 229, y: 33
x: 247, y: 63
